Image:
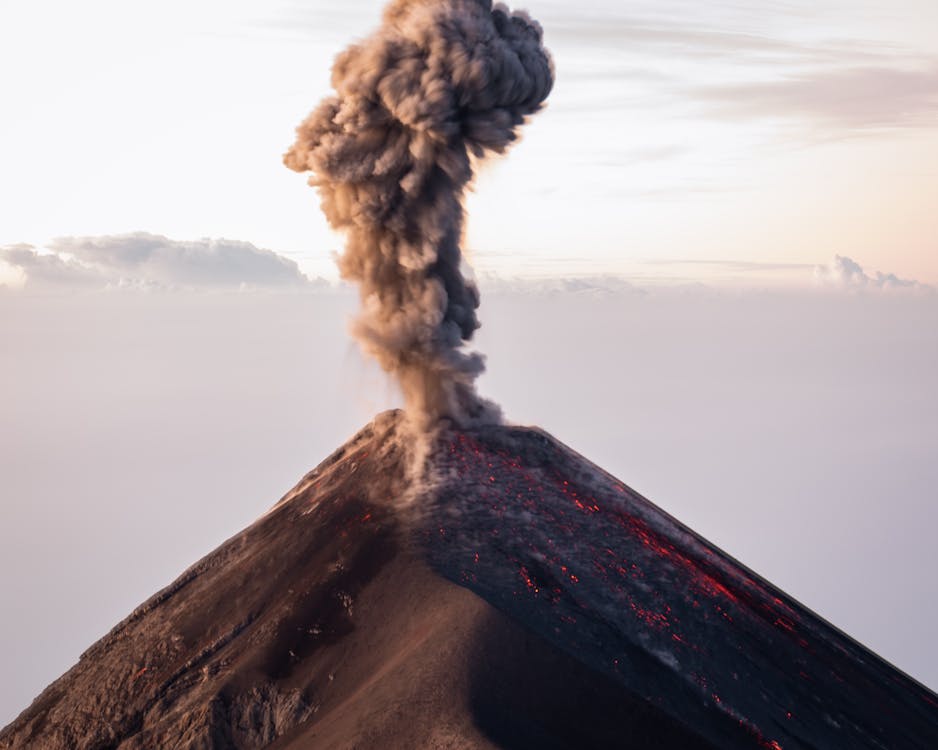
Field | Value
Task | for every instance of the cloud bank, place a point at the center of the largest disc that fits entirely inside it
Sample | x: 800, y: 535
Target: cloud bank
x: 845, y: 273
x: 149, y: 261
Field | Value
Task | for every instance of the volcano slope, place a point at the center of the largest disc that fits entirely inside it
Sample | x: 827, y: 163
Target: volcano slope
x: 525, y: 599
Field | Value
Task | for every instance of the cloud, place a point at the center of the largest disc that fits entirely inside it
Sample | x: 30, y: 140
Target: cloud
x: 699, y: 276
x: 854, y: 98
x: 148, y: 261
x: 846, y: 273
x: 49, y: 270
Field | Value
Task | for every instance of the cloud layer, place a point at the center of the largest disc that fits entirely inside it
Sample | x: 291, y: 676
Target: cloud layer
x: 846, y: 273
x: 148, y: 261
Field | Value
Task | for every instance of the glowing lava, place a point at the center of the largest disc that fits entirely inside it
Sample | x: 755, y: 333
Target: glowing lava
x: 576, y: 555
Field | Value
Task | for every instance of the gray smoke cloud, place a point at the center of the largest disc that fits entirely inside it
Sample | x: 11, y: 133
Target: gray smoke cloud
x: 439, y: 84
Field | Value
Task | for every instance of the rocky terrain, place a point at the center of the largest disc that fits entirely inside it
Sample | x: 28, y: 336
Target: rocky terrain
x: 523, y: 599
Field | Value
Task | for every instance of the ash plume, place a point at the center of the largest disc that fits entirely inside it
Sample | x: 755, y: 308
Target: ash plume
x: 439, y: 84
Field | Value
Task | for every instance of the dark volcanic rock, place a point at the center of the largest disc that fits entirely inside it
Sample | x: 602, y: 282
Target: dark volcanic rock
x: 528, y: 601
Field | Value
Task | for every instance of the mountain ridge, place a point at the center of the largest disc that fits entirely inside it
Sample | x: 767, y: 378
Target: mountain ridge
x: 523, y: 598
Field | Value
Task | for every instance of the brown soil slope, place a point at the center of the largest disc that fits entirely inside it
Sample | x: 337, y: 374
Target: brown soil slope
x: 527, y: 600
x: 320, y: 626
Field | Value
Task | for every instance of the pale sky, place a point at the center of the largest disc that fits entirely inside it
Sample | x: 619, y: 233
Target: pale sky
x: 779, y: 132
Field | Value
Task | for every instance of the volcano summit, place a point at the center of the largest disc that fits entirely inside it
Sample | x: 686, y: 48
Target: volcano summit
x: 524, y: 599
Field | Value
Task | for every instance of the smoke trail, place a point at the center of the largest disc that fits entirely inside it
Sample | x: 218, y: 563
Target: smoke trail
x: 390, y: 154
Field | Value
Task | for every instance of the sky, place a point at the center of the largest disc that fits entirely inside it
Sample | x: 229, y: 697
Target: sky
x: 774, y: 132
x: 717, y: 243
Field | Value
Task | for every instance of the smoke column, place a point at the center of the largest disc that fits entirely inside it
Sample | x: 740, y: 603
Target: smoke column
x: 441, y: 81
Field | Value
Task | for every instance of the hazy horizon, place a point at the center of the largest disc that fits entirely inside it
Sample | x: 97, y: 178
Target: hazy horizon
x: 793, y: 428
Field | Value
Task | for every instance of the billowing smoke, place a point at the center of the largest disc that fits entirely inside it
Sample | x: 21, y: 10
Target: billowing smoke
x: 440, y: 82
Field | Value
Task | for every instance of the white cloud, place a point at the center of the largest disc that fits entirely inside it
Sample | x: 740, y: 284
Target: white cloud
x: 142, y: 261
x: 47, y: 269
x: 846, y: 273
x: 148, y: 261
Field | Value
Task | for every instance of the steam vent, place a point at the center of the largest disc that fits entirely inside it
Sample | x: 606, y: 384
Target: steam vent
x: 527, y: 600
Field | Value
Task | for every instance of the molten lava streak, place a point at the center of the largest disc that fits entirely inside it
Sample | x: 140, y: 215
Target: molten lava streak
x: 601, y: 572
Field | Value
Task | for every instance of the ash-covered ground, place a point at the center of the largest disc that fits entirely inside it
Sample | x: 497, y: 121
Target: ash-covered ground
x: 521, y: 599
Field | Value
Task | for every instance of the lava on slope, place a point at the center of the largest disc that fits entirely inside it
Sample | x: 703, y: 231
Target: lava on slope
x: 583, y: 618
x: 578, y: 557
x: 321, y: 626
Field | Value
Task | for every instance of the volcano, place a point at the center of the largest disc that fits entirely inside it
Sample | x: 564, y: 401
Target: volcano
x: 523, y: 599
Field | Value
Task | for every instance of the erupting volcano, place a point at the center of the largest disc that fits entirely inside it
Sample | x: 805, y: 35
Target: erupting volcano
x: 444, y: 580
x: 525, y: 600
